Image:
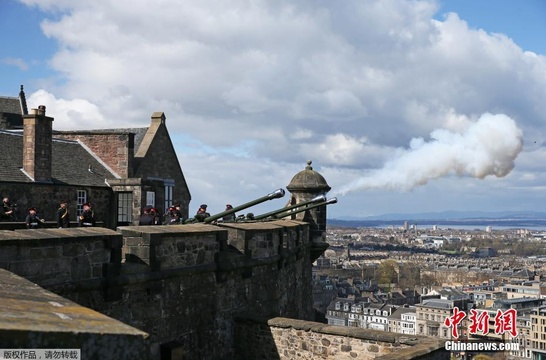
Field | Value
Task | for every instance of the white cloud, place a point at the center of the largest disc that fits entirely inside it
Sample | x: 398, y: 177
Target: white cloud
x: 278, y: 82
x: 19, y: 63
x: 69, y: 114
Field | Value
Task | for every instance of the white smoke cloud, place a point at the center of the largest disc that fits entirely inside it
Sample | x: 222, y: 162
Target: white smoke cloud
x: 486, y: 147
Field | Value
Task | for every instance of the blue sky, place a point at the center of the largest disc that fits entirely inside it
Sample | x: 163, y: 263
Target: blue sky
x: 388, y: 98
x: 523, y: 21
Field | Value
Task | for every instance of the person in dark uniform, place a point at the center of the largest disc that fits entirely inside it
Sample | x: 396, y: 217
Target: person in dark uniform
x: 33, y: 221
x: 63, y: 215
x: 156, y: 216
x: 87, y: 218
x: 7, y: 212
x: 146, y: 218
x: 202, y: 213
x: 176, y: 218
x: 229, y: 217
x: 168, y: 215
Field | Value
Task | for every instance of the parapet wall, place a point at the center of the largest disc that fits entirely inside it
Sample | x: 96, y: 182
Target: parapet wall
x: 286, y: 339
x: 183, y: 285
x: 33, y: 318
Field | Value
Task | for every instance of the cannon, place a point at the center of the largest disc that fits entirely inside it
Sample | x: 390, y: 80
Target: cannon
x: 291, y: 210
x: 278, y: 211
x: 279, y: 193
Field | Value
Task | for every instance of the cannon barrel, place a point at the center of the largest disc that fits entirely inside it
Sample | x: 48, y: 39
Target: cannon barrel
x: 279, y: 193
x: 304, y: 208
x: 278, y: 211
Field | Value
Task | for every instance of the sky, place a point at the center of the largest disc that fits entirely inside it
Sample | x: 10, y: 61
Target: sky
x: 404, y: 106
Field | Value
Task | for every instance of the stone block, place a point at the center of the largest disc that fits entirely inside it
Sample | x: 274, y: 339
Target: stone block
x: 80, y: 268
x: 73, y: 249
x: 46, y: 252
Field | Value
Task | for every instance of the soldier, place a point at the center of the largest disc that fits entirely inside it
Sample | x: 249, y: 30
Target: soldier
x: 202, y: 213
x: 87, y: 218
x: 229, y: 217
x: 7, y: 212
x: 156, y: 216
x: 176, y: 218
x: 168, y: 215
x: 63, y: 215
x: 146, y: 218
x: 33, y: 221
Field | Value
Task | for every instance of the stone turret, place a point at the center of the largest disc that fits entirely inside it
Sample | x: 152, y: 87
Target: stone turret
x: 304, y: 186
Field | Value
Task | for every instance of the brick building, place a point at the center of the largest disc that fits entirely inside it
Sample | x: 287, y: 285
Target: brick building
x: 118, y: 170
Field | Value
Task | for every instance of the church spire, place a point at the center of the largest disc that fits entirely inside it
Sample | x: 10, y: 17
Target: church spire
x: 23, y: 101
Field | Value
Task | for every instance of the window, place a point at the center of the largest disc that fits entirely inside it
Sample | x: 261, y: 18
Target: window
x: 169, y: 185
x: 125, y: 207
x: 81, y: 199
x: 150, y: 198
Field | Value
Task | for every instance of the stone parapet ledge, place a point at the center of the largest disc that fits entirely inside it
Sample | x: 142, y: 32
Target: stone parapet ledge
x: 266, y: 239
x: 309, y: 340
x: 52, y: 257
x: 32, y: 317
x: 172, y: 246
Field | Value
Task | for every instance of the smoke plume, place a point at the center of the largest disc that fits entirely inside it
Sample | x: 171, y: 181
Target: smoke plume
x: 486, y: 147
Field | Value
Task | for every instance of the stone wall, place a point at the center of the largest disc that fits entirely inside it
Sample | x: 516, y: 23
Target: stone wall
x: 191, y: 281
x: 60, y: 259
x: 33, y: 318
x: 156, y: 159
x: 181, y: 284
x: 282, y: 338
x: 185, y: 285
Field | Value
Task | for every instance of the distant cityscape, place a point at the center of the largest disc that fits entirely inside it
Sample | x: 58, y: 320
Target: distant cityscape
x: 408, y: 278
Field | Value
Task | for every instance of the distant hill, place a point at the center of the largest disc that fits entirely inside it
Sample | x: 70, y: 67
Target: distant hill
x: 467, y: 218
x: 454, y: 215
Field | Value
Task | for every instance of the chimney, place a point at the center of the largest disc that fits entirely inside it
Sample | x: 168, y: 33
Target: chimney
x: 37, y: 138
x: 158, y: 118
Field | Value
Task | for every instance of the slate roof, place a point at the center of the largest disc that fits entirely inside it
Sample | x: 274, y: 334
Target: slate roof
x: 70, y: 163
x: 437, y: 303
x: 10, y: 111
x: 10, y: 104
x: 525, y: 273
x: 397, y: 314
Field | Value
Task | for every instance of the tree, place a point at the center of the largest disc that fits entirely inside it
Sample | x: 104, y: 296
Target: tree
x: 387, y: 273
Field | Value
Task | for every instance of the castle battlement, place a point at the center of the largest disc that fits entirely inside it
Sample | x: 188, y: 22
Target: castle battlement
x: 185, y: 286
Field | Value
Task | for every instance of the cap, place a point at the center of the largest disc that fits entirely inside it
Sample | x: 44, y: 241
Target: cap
x: 63, y: 202
x: 204, y: 206
x: 229, y: 206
